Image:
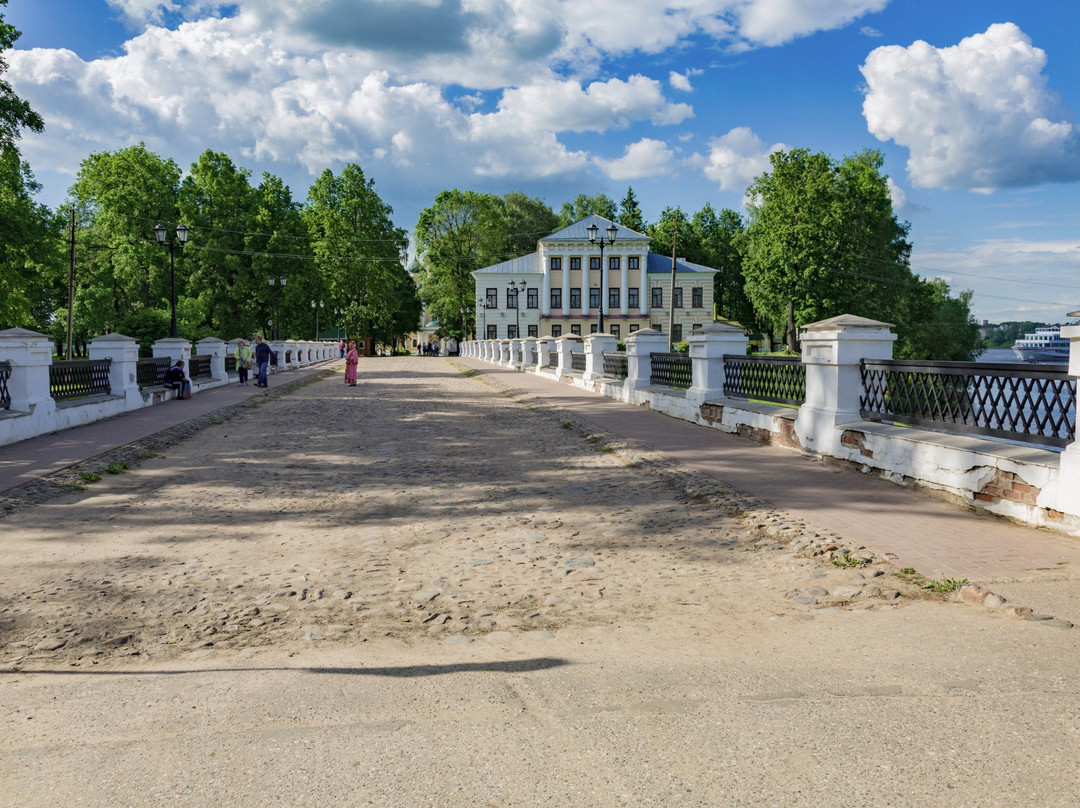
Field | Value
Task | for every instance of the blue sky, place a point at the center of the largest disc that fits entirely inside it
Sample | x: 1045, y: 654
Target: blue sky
x: 973, y: 103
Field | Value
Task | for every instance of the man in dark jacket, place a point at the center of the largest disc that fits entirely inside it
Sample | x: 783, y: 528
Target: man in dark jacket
x: 262, y: 360
x: 178, y: 380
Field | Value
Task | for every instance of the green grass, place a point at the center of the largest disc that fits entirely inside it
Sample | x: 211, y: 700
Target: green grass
x: 939, y: 585
x: 117, y: 468
x: 90, y: 477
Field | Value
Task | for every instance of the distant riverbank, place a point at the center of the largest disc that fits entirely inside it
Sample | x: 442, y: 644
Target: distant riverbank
x: 998, y: 355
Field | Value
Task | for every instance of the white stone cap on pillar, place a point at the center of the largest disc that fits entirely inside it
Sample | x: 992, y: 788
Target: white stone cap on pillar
x: 115, y: 342
x: 23, y: 337
x: 212, y: 345
x: 845, y: 340
x: 1072, y: 334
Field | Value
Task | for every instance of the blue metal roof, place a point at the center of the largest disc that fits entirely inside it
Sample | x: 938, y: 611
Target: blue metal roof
x: 662, y: 263
x: 578, y: 231
x: 522, y: 265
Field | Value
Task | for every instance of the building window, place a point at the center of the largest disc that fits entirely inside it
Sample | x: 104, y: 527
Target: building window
x: 614, y: 331
x: 697, y: 297
x: 613, y: 299
x: 511, y: 332
x: 533, y: 298
x: 575, y: 330
x: 533, y: 331
x: 614, y: 262
x: 556, y: 263
x: 511, y: 298
x: 633, y: 327
x: 656, y: 326
x: 593, y: 328
x: 492, y: 332
x: 695, y: 327
x: 492, y: 298
x: 575, y: 298
x: 676, y: 297
x: 575, y: 263
x: 676, y: 332
x: 594, y: 262
x: 633, y: 262
x: 556, y: 331
x: 658, y: 297
x: 594, y: 298
x: 556, y: 298
x: 632, y: 297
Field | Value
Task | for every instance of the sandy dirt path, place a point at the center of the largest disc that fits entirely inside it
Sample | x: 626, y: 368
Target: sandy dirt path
x: 419, y: 591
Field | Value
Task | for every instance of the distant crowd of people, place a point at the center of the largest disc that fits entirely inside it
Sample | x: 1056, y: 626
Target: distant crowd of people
x: 428, y: 349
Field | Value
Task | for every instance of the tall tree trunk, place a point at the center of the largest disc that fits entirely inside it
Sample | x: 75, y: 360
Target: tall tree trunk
x: 792, y: 343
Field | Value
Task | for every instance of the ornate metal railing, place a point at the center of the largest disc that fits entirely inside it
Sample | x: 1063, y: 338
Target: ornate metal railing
x: 615, y: 365
x: 577, y: 362
x: 671, y: 370
x: 151, y: 372
x: 553, y: 359
x: 1018, y: 402
x: 230, y: 363
x: 5, y: 394
x: 777, y: 379
x: 200, y: 368
x: 288, y: 357
x: 78, y: 378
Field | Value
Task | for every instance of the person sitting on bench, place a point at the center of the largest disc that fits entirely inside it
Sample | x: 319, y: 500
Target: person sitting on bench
x: 178, y: 381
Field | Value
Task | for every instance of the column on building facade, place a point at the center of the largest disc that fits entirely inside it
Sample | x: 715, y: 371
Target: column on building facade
x: 624, y: 286
x: 566, y: 285
x: 545, y: 294
x: 645, y: 292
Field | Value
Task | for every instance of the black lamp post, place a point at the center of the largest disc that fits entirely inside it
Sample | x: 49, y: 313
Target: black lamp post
x: 316, y: 305
x: 517, y: 289
x: 274, y: 280
x: 612, y: 231
x: 181, y: 239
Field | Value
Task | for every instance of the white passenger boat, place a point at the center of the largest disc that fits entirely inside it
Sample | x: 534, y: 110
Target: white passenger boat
x: 1045, y: 345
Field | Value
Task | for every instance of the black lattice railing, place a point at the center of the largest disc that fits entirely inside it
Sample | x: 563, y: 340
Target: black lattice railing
x: 577, y: 362
x: 671, y: 370
x: 151, y: 372
x: 5, y: 394
x: 78, y: 378
x: 230, y: 363
x: 288, y: 357
x: 1031, y: 404
x: 776, y: 379
x: 553, y: 359
x: 615, y: 365
x: 200, y: 367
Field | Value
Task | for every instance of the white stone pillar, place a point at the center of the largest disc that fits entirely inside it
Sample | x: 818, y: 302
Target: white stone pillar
x: 30, y: 355
x: 1064, y: 496
x: 528, y: 353
x: 173, y: 348
x: 292, y: 350
x: 595, y: 346
x: 831, y: 351
x: 707, y: 349
x: 216, y: 349
x: 123, y: 368
x: 514, y: 359
x: 278, y: 347
x: 640, y: 346
x: 544, y: 347
x: 503, y: 351
x: 566, y: 346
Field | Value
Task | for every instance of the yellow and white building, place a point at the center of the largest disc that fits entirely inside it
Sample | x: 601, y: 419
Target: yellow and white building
x: 565, y: 287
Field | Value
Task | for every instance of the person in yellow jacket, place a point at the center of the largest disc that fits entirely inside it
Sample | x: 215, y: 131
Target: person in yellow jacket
x: 245, y: 361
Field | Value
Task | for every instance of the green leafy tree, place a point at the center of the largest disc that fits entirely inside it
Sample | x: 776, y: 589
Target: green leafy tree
x: 721, y: 237
x: 630, y: 213
x: 15, y: 113
x: 216, y: 203
x: 822, y: 240
x: 935, y: 325
x: 676, y: 229
x: 119, y: 197
x: 279, y: 244
x: 582, y: 206
x: 32, y: 282
x: 358, y: 250
x: 526, y: 220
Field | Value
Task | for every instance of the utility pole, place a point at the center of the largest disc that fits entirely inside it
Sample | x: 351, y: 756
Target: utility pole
x: 71, y: 290
x: 671, y: 303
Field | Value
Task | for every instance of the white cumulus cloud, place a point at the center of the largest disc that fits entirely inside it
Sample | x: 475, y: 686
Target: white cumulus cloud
x: 736, y: 158
x: 646, y: 158
x: 977, y: 115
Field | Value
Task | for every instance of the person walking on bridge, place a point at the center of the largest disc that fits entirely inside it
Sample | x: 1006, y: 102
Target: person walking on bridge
x: 262, y: 359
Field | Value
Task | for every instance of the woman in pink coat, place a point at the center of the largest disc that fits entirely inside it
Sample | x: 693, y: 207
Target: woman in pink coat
x: 352, y: 359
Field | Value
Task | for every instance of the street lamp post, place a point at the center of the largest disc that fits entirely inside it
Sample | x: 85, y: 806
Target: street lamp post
x: 181, y: 239
x: 278, y: 281
x: 316, y: 306
x: 612, y: 231
x: 517, y: 289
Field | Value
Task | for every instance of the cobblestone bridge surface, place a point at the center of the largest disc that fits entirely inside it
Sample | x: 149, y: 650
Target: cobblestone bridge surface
x: 621, y: 630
